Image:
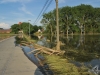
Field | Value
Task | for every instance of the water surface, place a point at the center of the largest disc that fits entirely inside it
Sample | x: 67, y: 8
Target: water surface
x: 80, y: 49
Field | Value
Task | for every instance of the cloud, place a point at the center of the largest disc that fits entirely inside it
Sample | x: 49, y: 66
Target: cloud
x: 23, y: 8
x: 6, y: 1
x: 4, y: 26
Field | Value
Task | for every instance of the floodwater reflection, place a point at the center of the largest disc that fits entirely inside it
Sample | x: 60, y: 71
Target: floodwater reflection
x: 37, y: 60
x: 80, y: 49
x: 83, y: 49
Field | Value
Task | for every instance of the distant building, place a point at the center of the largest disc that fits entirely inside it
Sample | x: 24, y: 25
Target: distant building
x: 39, y: 31
x: 5, y: 30
x: 20, y: 23
x: 20, y: 32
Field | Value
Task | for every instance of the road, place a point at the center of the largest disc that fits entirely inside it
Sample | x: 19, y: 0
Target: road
x: 13, y: 61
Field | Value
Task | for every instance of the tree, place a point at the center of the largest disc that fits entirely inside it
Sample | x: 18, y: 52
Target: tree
x: 35, y: 27
x: 25, y: 27
x: 15, y: 28
x: 82, y: 18
x: 49, y: 22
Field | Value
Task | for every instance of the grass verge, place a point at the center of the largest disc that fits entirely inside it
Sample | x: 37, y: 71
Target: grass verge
x: 62, y: 66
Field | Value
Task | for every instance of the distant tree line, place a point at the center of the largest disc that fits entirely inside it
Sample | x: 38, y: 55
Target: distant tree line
x: 78, y: 19
x: 25, y: 27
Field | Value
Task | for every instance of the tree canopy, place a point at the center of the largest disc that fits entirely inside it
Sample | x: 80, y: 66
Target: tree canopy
x: 78, y: 19
x: 25, y: 27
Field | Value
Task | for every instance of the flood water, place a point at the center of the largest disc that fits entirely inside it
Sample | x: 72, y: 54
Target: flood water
x: 80, y: 49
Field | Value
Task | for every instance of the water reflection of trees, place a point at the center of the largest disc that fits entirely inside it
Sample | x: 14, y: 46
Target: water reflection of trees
x: 47, y: 40
x: 81, y: 56
x: 93, y: 44
x: 18, y: 39
x: 78, y: 47
x: 82, y: 48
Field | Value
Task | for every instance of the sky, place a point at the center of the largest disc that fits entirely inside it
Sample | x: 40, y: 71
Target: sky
x: 15, y: 11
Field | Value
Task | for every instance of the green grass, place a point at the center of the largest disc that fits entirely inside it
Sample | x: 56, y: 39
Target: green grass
x: 62, y: 66
x: 4, y: 36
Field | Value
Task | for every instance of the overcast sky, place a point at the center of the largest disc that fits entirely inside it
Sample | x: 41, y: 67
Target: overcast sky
x: 15, y: 11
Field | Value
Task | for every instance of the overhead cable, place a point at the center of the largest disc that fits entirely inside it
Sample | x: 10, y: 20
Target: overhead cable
x: 45, y: 7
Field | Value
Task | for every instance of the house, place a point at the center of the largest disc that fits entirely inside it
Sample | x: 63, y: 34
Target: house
x: 5, y: 30
x: 39, y: 31
x: 20, y: 32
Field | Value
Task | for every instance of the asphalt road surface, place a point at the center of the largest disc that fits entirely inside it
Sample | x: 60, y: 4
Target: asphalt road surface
x: 13, y: 61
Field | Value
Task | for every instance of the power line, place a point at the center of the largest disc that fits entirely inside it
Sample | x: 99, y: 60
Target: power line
x: 47, y: 6
x: 43, y: 10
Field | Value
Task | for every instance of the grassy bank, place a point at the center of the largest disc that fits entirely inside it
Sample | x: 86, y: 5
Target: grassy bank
x: 62, y: 66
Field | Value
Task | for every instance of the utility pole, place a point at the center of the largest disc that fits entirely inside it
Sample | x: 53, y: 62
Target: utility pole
x: 57, y: 23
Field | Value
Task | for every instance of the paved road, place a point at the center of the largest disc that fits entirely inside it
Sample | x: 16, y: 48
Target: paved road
x: 13, y: 61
